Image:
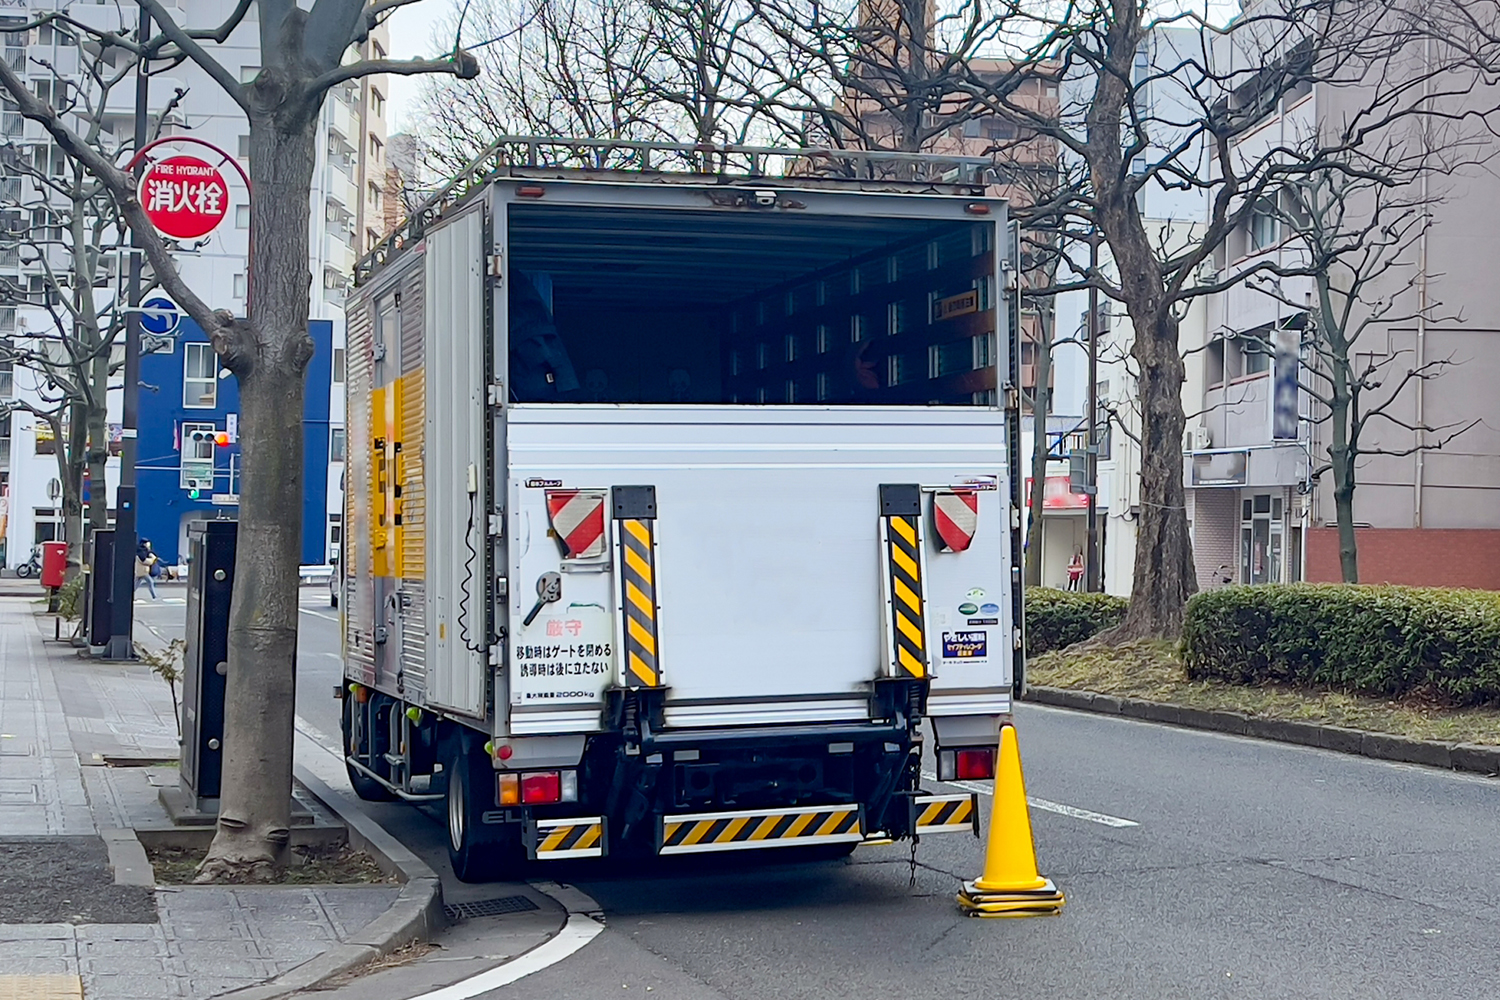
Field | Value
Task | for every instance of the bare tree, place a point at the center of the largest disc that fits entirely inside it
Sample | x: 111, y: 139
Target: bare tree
x: 1356, y: 235
x: 303, y: 55
x: 1163, y: 103
x: 681, y: 71
x: 65, y: 222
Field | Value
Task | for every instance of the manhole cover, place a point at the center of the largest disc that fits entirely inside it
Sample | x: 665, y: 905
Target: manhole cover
x: 489, y: 908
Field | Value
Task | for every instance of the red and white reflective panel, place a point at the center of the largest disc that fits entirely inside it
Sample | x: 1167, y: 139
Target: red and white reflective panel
x: 955, y: 515
x: 577, y: 518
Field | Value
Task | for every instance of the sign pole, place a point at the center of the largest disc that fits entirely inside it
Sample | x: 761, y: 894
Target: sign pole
x: 1092, y: 564
x: 122, y: 609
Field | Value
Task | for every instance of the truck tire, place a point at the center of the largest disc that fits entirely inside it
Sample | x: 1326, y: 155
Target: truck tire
x: 364, y: 786
x: 478, y: 853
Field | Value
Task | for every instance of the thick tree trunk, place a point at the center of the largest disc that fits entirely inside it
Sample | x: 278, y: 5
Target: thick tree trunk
x: 1164, y: 573
x: 270, y: 358
x: 1039, y: 410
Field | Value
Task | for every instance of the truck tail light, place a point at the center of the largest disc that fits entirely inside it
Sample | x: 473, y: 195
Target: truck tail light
x: 966, y: 765
x: 541, y: 788
x: 545, y: 787
x: 978, y: 763
x: 510, y: 790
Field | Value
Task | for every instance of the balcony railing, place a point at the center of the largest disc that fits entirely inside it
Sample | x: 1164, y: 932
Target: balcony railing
x: 15, y: 58
x: 12, y: 125
x: 7, y: 384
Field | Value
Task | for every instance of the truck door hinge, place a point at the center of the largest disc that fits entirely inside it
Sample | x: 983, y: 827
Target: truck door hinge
x: 378, y: 349
x: 495, y: 394
x: 495, y: 266
x: 1015, y: 518
x: 497, y: 525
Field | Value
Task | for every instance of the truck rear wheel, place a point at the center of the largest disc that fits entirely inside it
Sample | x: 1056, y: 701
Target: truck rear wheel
x: 478, y: 852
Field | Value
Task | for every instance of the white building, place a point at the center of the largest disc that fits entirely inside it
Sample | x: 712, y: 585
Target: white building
x: 346, y: 205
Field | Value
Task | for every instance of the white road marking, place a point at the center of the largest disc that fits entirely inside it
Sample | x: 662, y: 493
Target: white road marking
x: 577, y: 932
x: 581, y: 928
x: 319, y: 614
x: 1104, y: 819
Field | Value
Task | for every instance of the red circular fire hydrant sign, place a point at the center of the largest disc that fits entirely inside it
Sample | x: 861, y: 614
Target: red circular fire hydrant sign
x: 184, y: 197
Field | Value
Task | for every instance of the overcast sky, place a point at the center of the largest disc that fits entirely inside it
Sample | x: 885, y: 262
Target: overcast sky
x: 411, y: 36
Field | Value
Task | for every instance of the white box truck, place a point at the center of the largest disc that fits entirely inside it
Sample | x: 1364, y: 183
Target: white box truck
x: 682, y: 504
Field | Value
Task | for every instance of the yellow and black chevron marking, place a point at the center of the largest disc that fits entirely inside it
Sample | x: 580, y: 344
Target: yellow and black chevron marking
x: 638, y: 580
x: 908, y: 625
x: 740, y: 831
x: 569, y: 838
x: 945, y: 814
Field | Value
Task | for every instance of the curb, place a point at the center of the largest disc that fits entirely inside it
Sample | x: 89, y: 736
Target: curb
x: 1468, y: 757
x: 414, y: 917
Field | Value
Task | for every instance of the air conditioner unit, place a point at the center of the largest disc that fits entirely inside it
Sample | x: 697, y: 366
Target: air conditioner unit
x: 1202, y: 439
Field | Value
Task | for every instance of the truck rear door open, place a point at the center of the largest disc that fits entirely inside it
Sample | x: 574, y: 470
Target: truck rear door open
x: 768, y: 468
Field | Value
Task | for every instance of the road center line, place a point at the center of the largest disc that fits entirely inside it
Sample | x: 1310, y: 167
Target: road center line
x: 1103, y: 819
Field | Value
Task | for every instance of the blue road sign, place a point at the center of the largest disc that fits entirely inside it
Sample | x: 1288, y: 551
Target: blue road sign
x: 159, y: 316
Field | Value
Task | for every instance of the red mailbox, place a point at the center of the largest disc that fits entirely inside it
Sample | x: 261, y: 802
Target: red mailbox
x: 54, y: 563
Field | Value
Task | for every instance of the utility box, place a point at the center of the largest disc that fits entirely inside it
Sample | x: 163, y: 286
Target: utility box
x: 101, y: 587
x: 210, y: 584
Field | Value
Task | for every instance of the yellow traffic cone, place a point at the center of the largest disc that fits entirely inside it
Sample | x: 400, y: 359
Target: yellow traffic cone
x: 1010, y: 885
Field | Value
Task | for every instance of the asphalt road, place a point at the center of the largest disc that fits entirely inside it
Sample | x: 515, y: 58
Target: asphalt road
x: 1254, y: 870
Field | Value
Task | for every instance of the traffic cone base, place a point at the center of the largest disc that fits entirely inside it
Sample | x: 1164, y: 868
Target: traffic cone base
x: 976, y: 902
x: 1010, y: 885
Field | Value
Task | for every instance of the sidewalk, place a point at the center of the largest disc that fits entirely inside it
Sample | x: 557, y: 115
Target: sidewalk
x: 65, y: 923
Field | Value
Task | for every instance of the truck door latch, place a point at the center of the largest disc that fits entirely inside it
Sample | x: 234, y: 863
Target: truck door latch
x: 548, y: 589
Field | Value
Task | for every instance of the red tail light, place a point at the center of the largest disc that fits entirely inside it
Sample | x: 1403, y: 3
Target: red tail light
x: 541, y: 787
x: 976, y: 764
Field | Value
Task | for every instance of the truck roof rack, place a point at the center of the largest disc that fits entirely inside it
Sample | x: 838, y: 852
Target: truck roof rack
x: 623, y: 160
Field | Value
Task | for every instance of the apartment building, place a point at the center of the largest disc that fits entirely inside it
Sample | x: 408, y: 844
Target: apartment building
x: 1261, y: 511
x: 347, y: 216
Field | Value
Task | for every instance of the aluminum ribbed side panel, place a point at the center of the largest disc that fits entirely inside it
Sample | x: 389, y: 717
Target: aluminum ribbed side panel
x: 413, y: 555
x: 358, y: 602
x: 454, y: 444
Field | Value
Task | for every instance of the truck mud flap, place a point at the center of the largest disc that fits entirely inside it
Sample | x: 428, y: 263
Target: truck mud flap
x: 701, y: 833
x: 561, y: 839
x: 945, y: 814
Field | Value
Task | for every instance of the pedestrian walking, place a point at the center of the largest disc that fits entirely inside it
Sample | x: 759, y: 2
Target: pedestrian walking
x: 1075, y: 570
x: 146, y: 564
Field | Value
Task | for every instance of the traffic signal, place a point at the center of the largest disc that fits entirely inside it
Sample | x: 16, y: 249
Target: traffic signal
x: 193, y: 489
x: 221, y: 439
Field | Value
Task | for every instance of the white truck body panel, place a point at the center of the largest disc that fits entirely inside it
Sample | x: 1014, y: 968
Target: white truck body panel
x: 768, y: 555
x: 454, y: 454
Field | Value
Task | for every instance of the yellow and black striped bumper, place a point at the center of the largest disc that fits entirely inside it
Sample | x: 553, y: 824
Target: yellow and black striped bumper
x: 945, y: 814
x: 700, y: 833
x: 559, y: 839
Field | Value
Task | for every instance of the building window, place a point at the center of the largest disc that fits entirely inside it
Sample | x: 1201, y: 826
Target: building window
x: 1260, y: 539
x: 1265, y: 229
x: 1256, y: 348
x: 372, y: 240
x: 376, y: 148
x: 376, y: 51
x: 791, y: 347
x: 249, y: 73
x: 242, y: 216
x: 822, y: 339
x: 336, y: 444
x: 200, y: 377
x: 241, y: 287
x: 377, y: 103
x: 340, y: 356
x: 372, y: 194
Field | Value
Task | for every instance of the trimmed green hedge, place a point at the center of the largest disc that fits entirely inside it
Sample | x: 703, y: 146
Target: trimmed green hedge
x: 1059, y: 618
x: 1383, y: 641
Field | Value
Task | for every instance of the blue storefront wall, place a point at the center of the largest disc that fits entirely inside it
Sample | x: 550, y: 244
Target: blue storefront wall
x: 165, y: 507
